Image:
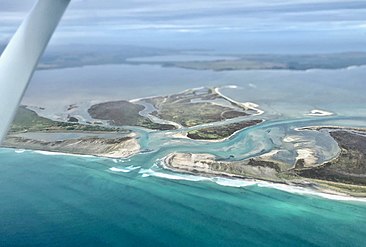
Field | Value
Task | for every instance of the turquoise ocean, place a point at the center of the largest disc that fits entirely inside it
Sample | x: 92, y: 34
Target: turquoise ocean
x: 50, y: 199
x: 60, y: 200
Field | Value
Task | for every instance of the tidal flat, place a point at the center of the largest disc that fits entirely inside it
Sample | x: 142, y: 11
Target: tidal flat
x: 202, y: 115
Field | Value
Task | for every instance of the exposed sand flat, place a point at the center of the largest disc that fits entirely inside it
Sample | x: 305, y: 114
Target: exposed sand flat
x: 308, y: 155
x: 292, y: 139
x: 319, y: 113
x: 190, y: 162
x: 304, y: 152
x: 63, y: 112
x: 204, y: 167
x: 269, y: 155
x: 143, y: 98
x: 245, y: 105
x: 123, y: 149
x: 254, y: 107
x: 180, y: 135
x: 206, y: 164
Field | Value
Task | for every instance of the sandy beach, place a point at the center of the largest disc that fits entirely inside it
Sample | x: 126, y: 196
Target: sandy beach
x: 319, y: 113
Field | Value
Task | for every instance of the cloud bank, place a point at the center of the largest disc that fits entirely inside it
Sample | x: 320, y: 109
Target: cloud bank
x: 113, y: 20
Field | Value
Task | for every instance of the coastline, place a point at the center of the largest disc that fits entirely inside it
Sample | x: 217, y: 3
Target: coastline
x: 229, y: 180
x: 331, y: 127
x: 245, y: 105
x: 298, y: 185
x: 184, y: 133
x: 320, y: 113
x: 58, y: 153
x: 222, y: 139
x: 97, y: 147
x: 266, y: 167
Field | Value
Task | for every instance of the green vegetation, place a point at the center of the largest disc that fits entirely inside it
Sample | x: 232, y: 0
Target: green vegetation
x: 270, y: 61
x: 222, y: 65
x: 349, y: 167
x: 193, y: 107
x: 192, y: 114
x: 28, y: 120
x: 121, y: 113
x: 190, y: 108
x: 82, y: 55
x: 220, y: 132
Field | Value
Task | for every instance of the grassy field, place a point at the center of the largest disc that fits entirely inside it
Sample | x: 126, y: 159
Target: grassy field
x: 349, y: 167
x: 28, y: 120
x: 193, y: 107
x: 121, y: 113
x: 220, y: 132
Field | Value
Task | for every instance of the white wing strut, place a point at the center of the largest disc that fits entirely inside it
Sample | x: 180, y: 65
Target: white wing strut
x: 21, y: 56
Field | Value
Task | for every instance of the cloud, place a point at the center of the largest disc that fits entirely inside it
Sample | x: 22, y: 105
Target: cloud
x: 111, y: 17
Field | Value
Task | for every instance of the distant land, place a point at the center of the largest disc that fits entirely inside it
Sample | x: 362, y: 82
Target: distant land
x: 77, y: 55
x: 278, y: 62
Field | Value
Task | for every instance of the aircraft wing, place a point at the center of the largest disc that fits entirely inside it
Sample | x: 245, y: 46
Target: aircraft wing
x: 21, y: 56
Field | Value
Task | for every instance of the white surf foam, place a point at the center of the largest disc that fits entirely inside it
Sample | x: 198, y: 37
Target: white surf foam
x: 151, y: 172
x: 304, y: 191
x: 120, y: 160
x: 233, y: 182
x: 48, y: 153
x: 238, y: 183
x: 194, y: 178
x: 124, y: 169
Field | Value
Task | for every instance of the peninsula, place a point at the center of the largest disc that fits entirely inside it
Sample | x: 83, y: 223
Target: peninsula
x: 345, y: 173
x: 202, y: 115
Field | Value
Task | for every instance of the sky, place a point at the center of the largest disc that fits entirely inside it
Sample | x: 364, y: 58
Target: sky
x: 249, y: 26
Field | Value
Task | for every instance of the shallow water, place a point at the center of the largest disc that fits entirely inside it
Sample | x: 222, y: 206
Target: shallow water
x: 61, y: 200
x: 55, y: 199
x: 280, y: 93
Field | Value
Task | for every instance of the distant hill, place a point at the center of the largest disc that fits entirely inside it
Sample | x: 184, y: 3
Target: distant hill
x: 76, y: 55
x: 269, y: 61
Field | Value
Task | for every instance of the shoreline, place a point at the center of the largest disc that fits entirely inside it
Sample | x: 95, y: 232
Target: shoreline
x: 59, y: 153
x: 119, y: 148
x: 259, y: 170
x: 225, y: 138
x: 50, y: 153
x: 229, y: 180
x: 330, y: 127
x: 298, y: 185
x: 245, y: 105
x: 319, y: 113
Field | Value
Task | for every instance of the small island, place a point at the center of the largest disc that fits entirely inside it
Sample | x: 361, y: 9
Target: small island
x: 108, y: 134
x: 205, y: 109
x: 220, y: 132
x: 194, y: 107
